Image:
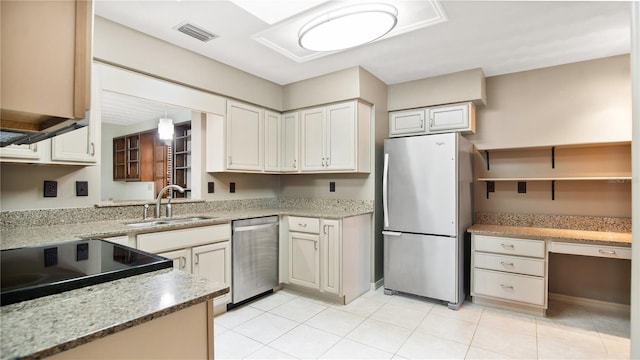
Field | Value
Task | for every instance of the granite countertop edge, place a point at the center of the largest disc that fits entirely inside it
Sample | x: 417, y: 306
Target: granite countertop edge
x: 13, y: 347
x: 622, y: 239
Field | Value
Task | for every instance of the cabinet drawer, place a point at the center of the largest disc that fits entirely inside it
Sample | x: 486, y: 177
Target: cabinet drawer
x: 177, y: 239
x: 510, y: 264
x: 511, y: 246
x: 615, y: 252
x: 507, y: 286
x: 302, y: 224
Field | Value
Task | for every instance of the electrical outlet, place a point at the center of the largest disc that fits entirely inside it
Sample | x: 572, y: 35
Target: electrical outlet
x: 82, y: 252
x: 50, y: 188
x: 522, y: 187
x: 332, y: 186
x: 232, y: 187
x: 82, y: 188
x: 50, y: 257
x: 210, y: 187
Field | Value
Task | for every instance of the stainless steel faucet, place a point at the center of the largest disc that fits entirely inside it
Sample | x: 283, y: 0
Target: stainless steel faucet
x: 169, y: 213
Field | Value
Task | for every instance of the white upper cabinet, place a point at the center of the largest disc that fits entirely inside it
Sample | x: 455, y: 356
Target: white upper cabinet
x: 290, y: 127
x: 22, y: 153
x: 407, y: 122
x: 332, y: 138
x: 244, y: 136
x: 458, y: 117
x: 336, y: 138
x: 437, y: 119
x: 75, y: 146
x: 272, y: 141
x: 313, y: 139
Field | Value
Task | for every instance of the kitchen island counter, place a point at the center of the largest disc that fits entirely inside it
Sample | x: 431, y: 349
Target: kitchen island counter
x: 50, y: 325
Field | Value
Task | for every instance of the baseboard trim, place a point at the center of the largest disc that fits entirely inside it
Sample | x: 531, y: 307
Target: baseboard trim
x: 574, y: 300
x: 376, y: 285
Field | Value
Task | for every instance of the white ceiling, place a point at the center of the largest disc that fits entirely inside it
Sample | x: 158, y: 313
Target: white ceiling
x: 499, y: 37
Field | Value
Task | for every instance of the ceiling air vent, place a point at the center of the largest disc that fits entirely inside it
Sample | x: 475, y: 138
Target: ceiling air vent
x: 195, y: 31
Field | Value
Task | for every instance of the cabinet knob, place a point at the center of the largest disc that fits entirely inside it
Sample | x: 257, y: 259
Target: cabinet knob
x: 294, y: 163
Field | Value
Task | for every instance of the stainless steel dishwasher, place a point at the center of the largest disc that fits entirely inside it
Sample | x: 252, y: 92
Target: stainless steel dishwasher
x: 254, y: 258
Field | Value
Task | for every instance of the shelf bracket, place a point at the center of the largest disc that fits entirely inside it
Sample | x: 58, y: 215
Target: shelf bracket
x: 486, y: 155
x: 553, y: 189
x: 491, y: 187
x: 553, y: 157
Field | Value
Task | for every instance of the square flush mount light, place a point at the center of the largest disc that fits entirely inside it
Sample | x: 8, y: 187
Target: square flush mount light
x: 348, y: 27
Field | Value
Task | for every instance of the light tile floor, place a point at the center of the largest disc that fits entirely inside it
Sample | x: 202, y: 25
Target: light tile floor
x: 290, y: 325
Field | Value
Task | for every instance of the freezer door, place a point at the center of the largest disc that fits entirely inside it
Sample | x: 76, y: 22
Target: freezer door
x: 419, y: 184
x: 422, y: 265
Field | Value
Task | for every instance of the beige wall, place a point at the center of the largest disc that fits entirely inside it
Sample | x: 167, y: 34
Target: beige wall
x: 149, y: 55
x: 325, y: 89
x: 569, y: 104
x: 468, y: 85
x: 577, y: 103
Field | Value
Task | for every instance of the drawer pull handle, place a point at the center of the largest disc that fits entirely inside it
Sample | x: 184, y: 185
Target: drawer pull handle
x: 507, y: 246
x: 506, y: 287
x: 302, y: 225
x: 611, y: 252
x: 506, y: 264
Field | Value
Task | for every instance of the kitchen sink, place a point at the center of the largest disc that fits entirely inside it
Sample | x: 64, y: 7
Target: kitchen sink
x: 168, y: 221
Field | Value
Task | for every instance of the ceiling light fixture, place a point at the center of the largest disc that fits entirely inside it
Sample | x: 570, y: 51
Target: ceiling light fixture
x: 348, y: 27
x: 165, y: 128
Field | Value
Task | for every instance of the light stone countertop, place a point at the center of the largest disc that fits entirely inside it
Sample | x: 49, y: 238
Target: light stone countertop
x: 37, y: 235
x: 568, y: 235
x: 48, y: 325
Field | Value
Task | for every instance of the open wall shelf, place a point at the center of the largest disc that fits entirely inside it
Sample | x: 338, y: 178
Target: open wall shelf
x: 582, y: 162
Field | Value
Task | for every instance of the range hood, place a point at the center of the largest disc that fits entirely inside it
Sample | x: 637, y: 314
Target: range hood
x: 19, y: 128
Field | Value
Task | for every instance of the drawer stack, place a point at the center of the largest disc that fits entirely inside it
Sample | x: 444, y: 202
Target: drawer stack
x: 509, y: 270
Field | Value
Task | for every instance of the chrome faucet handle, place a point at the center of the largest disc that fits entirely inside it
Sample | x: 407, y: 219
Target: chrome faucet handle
x: 168, y: 207
x: 144, y: 214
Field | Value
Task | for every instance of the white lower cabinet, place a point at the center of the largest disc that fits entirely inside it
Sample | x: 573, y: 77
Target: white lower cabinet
x: 213, y: 262
x: 509, y: 272
x: 203, y: 251
x: 331, y: 256
x: 181, y: 259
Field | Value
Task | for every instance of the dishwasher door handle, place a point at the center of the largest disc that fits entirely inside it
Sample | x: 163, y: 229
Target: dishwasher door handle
x: 254, y: 227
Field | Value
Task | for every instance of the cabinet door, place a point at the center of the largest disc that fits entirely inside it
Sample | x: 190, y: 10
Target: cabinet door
x: 330, y: 257
x: 290, y: 136
x: 340, y: 147
x: 313, y: 139
x: 304, y: 260
x: 449, y: 117
x: 244, y: 137
x: 21, y: 153
x: 213, y: 262
x: 181, y: 259
x: 272, y: 139
x: 46, y: 54
x: 75, y: 146
x: 408, y: 122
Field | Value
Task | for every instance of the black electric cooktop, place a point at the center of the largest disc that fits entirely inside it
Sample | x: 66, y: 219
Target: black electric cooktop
x: 31, y: 272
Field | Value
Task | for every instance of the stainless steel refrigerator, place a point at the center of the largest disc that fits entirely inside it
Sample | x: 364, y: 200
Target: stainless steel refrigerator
x: 427, y: 194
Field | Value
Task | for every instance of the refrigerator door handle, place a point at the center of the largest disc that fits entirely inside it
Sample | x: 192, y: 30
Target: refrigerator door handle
x: 391, y: 233
x: 385, y: 190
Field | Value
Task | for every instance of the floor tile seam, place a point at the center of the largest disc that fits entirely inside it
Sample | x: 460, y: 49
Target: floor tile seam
x: 251, y: 318
x: 395, y: 353
x: 343, y: 336
x: 423, y: 331
x: 283, y: 334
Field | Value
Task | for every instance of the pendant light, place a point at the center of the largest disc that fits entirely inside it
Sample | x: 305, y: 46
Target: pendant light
x: 348, y: 27
x: 165, y: 128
